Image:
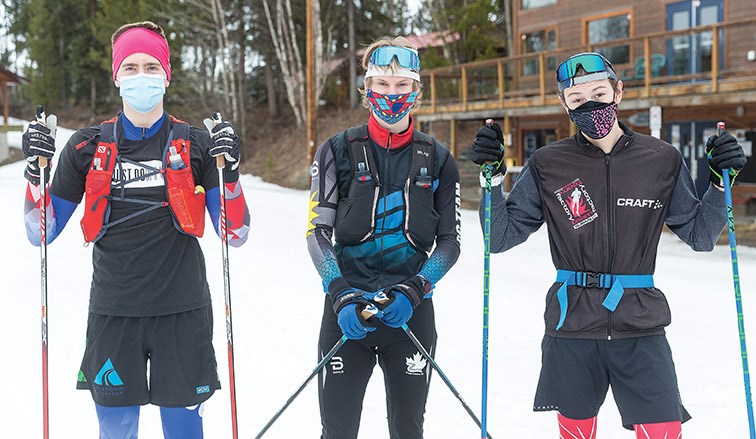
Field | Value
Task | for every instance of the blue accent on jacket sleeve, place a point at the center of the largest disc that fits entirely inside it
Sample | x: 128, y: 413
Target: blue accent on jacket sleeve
x: 440, y: 261
x: 212, y: 202
x: 60, y: 212
x: 323, y: 202
x: 63, y: 210
x: 448, y: 239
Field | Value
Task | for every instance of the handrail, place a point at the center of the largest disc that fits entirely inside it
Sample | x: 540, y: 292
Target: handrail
x: 591, y: 47
x: 534, y: 85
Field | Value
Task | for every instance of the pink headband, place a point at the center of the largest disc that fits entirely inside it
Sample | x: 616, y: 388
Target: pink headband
x: 141, y: 40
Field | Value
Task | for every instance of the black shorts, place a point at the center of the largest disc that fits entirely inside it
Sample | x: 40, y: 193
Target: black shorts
x: 576, y: 374
x: 343, y: 381
x: 182, y: 367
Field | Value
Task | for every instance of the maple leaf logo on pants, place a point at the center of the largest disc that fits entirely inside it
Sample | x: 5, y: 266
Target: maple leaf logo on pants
x: 415, y: 364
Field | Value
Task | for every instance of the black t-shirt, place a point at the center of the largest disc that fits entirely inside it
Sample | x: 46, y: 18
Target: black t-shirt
x: 143, y: 266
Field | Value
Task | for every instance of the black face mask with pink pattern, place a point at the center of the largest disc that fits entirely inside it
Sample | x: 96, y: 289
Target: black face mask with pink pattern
x: 595, y: 119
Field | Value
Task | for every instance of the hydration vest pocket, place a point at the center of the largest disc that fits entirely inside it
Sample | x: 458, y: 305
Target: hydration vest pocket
x: 187, y: 205
x: 96, y: 203
x: 421, y: 219
x: 355, y: 215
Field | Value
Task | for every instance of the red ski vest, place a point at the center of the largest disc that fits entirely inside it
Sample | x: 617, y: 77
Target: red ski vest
x: 185, y: 200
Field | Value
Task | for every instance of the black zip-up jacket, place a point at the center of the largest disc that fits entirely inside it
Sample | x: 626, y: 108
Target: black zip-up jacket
x: 605, y: 214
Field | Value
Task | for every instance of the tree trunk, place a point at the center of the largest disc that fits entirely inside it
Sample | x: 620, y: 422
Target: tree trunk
x: 271, y: 91
x: 509, y: 39
x: 242, y: 86
x: 352, y: 54
x: 283, y: 37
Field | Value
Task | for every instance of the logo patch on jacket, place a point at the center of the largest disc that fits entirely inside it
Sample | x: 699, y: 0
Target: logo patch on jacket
x: 577, y: 203
x: 639, y: 202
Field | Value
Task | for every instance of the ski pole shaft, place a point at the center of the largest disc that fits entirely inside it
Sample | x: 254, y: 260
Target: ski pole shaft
x: 487, y: 170
x: 367, y: 313
x: 326, y: 358
x: 435, y: 366
x: 220, y: 163
x: 736, y: 282
x: 42, y: 162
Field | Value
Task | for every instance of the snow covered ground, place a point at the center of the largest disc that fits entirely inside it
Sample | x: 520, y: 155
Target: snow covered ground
x: 277, y: 303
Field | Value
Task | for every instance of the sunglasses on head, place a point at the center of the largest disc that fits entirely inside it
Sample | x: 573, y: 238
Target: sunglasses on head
x: 590, y: 62
x: 406, y: 57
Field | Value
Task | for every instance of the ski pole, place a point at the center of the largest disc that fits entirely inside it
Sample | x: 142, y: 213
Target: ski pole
x: 220, y: 163
x: 487, y: 169
x: 736, y: 282
x: 367, y: 313
x: 51, y: 122
x: 433, y: 363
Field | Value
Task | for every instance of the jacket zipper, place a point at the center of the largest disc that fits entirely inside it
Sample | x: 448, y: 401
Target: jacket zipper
x: 383, y: 223
x: 610, y: 233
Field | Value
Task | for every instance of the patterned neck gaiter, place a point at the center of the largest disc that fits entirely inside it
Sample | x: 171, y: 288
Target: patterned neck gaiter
x: 595, y: 119
x: 390, y: 108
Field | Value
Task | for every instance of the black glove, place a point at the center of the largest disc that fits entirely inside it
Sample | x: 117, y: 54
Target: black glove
x: 32, y: 172
x: 488, y: 148
x: 724, y: 152
x: 226, y: 143
x: 342, y: 294
x: 38, y: 141
x: 415, y: 288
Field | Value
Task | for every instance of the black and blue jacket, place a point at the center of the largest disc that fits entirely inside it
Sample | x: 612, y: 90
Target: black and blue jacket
x: 360, y: 196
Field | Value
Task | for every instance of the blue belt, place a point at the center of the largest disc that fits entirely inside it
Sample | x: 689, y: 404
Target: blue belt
x: 615, y: 282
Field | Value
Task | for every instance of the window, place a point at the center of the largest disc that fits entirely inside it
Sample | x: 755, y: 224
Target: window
x: 610, y: 28
x: 538, y: 42
x: 530, y: 4
x: 534, y: 139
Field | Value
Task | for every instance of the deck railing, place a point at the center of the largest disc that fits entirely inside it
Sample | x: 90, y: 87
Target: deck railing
x: 528, y: 80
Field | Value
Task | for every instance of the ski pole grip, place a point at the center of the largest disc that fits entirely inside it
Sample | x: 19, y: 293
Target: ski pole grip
x: 489, y: 123
x: 720, y: 128
x: 369, y: 312
x: 210, y: 122
x: 40, y: 116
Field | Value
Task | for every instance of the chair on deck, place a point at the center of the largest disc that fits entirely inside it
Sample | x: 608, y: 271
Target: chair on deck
x: 638, y: 70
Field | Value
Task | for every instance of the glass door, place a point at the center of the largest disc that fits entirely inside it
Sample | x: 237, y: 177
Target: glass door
x: 688, y: 54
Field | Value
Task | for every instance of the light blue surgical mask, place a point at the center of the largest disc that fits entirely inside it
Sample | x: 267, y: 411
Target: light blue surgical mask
x: 143, y: 92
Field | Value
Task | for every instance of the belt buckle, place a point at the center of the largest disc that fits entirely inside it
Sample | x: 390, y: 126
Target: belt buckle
x: 593, y: 280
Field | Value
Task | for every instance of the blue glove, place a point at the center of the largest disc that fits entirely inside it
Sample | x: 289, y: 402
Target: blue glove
x: 398, y: 310
x: 398, y: 301
x: 352, y: 319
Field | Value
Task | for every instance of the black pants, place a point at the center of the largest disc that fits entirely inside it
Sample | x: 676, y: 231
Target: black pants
x: 342, y: 382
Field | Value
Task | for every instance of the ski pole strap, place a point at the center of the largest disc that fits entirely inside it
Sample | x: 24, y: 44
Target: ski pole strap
x: 616, y: 283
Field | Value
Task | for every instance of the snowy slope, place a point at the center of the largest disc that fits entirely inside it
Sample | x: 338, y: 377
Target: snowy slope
x: 277, y: 305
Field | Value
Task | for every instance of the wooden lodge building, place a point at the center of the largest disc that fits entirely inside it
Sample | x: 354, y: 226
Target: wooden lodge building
x: 693, y: 59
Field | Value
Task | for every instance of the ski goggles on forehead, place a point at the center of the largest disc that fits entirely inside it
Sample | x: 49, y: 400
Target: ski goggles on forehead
x: 405, y: 56
x: 595, y: 65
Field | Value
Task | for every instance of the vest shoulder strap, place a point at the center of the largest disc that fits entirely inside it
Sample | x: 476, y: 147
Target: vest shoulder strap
x: 107, y: 150
x: 180, y: 129
x: 360, y: 153
x: 423, y: 164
